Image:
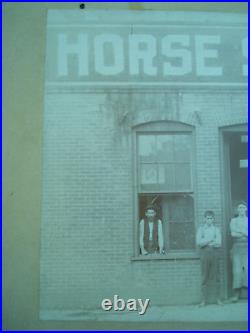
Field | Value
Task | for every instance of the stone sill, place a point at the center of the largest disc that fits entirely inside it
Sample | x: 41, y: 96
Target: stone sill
x: 169, y: 256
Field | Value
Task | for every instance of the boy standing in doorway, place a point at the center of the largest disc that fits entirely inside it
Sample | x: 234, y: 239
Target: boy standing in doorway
x: 208, y: 239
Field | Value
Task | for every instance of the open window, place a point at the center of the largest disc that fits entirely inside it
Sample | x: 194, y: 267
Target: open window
x: 164, y: 174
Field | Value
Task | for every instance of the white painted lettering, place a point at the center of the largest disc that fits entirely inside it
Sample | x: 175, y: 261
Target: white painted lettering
x: 135, y: 57
x: 79, y: 48
x: 142, y: 49
x: 109, y: 54
x: 203, y: 53
x: 182, y: 53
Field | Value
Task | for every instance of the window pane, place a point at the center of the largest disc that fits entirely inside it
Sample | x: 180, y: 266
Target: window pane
x: 183, y: 177
x: 149, y: 177
x: 161, y: 174
x: 182, y: 148
x: 171, y: 156
x: 182, y: 236
x: 165, y: 148
x: 178, y: 216
x: 166, y: 177
x: 147, y: 148
x: 149, y: 174
x: 178, y: 208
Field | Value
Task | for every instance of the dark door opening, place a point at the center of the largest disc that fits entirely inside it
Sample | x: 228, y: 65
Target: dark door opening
x: 238, y: 167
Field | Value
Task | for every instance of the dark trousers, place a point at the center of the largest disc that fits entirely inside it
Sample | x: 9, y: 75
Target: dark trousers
x: 210, y: 272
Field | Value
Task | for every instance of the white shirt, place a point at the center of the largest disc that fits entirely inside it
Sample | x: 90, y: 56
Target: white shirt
x: 208, y: 235
x: 151, y: 227
x: 239, y: 227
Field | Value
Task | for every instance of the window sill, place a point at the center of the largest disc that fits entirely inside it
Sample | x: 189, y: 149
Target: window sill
x: 167, y: 256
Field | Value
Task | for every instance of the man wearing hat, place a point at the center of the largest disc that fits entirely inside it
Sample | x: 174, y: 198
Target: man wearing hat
x: 151, y: 234
x: 239, y: 233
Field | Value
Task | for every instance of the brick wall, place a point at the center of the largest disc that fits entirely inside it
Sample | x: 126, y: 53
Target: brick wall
x: 88, y: 193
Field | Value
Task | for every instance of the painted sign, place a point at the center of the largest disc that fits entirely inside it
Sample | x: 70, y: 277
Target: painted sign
x: 149, y: 53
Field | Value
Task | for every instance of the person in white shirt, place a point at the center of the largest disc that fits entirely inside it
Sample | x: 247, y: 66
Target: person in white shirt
x: 239, y: 233
x: 208, y: 239
x: 151, y: 234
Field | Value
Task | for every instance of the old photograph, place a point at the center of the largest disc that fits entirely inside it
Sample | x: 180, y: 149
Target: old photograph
x: 145, y: 163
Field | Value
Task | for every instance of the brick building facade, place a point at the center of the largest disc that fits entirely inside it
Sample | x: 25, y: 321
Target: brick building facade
x: 95, y: 187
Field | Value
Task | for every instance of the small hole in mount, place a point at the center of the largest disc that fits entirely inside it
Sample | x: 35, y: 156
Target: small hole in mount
x: 82, y: 6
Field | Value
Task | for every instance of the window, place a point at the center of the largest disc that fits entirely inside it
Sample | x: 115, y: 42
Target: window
x: 164, y: 158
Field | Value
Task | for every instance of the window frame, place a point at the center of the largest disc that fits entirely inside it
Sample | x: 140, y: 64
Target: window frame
x: 154, y: 128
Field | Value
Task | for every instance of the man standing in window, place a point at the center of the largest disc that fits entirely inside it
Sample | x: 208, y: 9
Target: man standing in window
x: 151, y: 234
x: 208, y: 239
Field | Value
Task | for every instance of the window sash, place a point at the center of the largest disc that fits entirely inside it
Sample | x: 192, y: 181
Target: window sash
x: 159, y: 175
x: 177, y: 212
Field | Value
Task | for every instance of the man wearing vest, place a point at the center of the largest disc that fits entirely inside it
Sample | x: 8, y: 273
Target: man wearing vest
x: 151, y: 234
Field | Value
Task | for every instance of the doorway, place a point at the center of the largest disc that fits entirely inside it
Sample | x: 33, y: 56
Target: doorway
x: 235, y: 185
